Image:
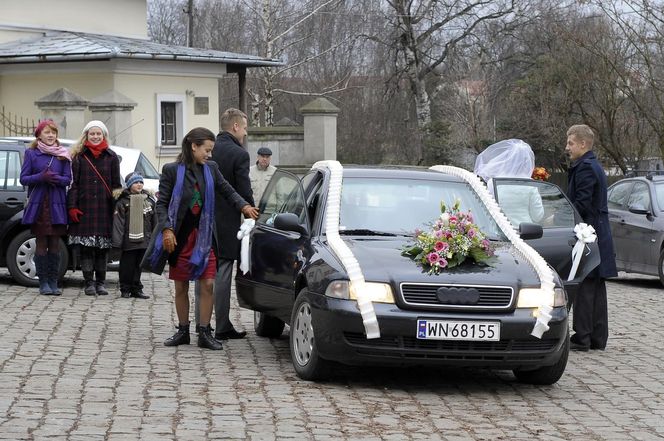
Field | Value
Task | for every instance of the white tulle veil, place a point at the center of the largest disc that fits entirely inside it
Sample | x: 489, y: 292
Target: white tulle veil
x: 511, y: 158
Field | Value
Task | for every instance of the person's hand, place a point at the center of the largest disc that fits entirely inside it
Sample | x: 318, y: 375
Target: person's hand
x: 250, y: 212
x: 75, y: 215
x: 49, y: 177
x: 168, y: 240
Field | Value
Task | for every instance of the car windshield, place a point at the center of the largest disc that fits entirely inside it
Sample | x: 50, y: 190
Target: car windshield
x: 375, y: 206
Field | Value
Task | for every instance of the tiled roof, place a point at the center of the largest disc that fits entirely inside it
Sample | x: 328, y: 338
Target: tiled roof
x: 80, y: 46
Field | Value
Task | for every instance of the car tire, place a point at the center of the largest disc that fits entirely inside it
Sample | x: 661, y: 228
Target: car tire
x: 303, y: 347
x: 267, y: 326
x: 20, y: 254
x: 660, y: 267
x: 546, y: 375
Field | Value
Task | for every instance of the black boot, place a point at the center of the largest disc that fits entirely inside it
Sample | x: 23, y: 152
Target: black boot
x: 41, y: 267
x: 181, y: 337
x: 205, y: 339
x: 54, y: 272
x: 89, y: 284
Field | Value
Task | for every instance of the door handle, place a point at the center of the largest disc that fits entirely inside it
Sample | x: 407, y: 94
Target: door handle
x: 13, y: 203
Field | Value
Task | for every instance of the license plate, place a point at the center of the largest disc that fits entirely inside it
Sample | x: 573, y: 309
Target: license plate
x: 456, y: 330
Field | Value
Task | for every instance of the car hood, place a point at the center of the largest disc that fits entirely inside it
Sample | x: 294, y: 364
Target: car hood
x: 381, y: 260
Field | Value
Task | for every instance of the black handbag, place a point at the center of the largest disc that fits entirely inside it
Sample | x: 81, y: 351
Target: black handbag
x: 160, y: 263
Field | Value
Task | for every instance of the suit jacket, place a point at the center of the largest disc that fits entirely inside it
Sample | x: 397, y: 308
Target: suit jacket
x: 233, y: 161
x: 586, y: 188
x: 193, y: 174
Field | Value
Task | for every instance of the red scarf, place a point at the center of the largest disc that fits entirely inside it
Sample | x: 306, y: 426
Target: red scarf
x: 96, y: 149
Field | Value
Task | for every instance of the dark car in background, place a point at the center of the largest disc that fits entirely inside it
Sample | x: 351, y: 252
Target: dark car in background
x: 295, y: 277
x: 17, y: 243
x: 636, y: 217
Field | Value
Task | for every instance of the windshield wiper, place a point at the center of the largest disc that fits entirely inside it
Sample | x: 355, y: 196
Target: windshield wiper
x: 366, y: 232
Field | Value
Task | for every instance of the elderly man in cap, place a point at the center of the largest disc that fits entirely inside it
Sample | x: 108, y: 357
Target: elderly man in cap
x: 261, y: 173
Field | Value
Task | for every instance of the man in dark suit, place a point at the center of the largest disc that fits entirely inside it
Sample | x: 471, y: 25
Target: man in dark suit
x: 586, y: 188
x: 233, y: 161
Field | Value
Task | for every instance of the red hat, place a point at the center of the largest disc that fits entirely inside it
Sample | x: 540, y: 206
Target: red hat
x: 42, y: 124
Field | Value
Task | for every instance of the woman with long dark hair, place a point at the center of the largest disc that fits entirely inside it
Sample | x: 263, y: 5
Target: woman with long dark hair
x: 185, y: 230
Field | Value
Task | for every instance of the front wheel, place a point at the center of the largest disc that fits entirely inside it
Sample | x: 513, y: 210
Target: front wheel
x: 20, y: 255
x: 304, y: 350
x: 548, y: 374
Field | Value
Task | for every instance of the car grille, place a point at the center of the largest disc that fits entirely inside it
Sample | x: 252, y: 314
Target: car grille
x: 413, y: 348
x: 490, y: 297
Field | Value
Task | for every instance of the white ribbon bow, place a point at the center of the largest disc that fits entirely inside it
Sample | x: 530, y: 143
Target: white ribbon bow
x: 585, y: 234
x: 243, y: 235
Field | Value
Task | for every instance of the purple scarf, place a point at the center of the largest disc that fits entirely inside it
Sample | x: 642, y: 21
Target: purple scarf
x: 201, y: 254
x: 54, y: 149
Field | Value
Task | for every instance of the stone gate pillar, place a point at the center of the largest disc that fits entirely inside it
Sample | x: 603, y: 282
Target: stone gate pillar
x: 114, y: 110
x: 320, y: 130
x: 67, y: 109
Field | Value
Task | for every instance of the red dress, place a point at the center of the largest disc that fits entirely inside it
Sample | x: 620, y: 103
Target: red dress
x: 182, y: 268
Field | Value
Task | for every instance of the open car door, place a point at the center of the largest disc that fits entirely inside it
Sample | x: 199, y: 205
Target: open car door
x: 544, y: 203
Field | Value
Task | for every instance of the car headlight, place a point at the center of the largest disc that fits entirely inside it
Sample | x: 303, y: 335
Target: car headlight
x: 346, y: 290
x: 534, y: 297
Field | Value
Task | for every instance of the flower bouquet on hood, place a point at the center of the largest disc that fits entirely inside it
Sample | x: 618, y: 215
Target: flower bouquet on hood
x: 452, y: 239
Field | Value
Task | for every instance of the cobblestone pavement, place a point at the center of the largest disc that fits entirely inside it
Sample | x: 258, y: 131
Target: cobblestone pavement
x: 86, y: 368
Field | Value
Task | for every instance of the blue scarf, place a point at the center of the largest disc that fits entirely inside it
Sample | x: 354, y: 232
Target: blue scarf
x: 199, y: 258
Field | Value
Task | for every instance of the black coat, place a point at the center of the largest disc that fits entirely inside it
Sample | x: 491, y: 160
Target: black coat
x: 586, y: 188
x: 193, y: 174
x: 89, y: 194
x: 233, y: 161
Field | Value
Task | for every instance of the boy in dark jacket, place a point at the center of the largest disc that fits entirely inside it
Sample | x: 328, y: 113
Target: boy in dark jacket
x: 133, y: 221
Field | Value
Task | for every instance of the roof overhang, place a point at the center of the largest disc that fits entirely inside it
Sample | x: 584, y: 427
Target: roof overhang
x: 58, y: 46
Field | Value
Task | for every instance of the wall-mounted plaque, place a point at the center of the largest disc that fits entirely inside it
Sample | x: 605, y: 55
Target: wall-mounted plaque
x: 201, y: 105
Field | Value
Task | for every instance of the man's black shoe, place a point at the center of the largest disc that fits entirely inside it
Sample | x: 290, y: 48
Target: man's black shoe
x: 578, y: 347
x: 139, y: 295
x: 232, y: 334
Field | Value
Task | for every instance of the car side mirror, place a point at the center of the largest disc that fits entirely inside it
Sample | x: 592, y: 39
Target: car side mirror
x: 290, y: 222
x: 529, y: 231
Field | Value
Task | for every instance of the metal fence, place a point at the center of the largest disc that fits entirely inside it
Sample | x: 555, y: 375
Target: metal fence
x: 14, y: 125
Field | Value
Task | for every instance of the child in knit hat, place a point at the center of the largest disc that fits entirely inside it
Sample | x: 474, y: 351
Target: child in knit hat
x: 133, y: 221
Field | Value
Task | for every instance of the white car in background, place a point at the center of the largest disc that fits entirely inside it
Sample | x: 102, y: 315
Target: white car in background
x: 131, y: 160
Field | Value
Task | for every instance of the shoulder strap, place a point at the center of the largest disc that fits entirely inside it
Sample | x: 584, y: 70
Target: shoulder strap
x: 108, y: 189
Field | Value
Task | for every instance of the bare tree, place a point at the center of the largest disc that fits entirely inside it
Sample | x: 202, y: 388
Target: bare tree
x: 166, y: 22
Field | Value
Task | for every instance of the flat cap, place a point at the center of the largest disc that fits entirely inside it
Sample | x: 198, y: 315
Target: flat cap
x: 264, y: 151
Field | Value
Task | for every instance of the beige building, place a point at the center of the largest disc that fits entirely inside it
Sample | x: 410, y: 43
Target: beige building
x: 65, y: 65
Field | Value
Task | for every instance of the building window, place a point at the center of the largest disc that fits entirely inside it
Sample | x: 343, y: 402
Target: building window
x: 168, y: 124
x: 171, y: 123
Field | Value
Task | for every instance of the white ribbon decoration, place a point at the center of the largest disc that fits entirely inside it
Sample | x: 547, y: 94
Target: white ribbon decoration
x: 531, y: 256
x: 243, y: 235
x: 342, y: 251
x: 585, y: 234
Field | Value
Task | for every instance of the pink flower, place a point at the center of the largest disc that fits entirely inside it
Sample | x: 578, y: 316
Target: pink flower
x: 442, y: 262
x: 471, y: 233
x: 438, y: 233
x: 453, y: 219
x: 433, y: 258
x: 441, y: 246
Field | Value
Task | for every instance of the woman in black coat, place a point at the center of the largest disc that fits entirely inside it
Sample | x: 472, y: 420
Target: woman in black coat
x: 186, y: 229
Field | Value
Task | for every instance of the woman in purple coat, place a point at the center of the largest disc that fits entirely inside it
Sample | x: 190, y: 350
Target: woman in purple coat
x: 46, y: 171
